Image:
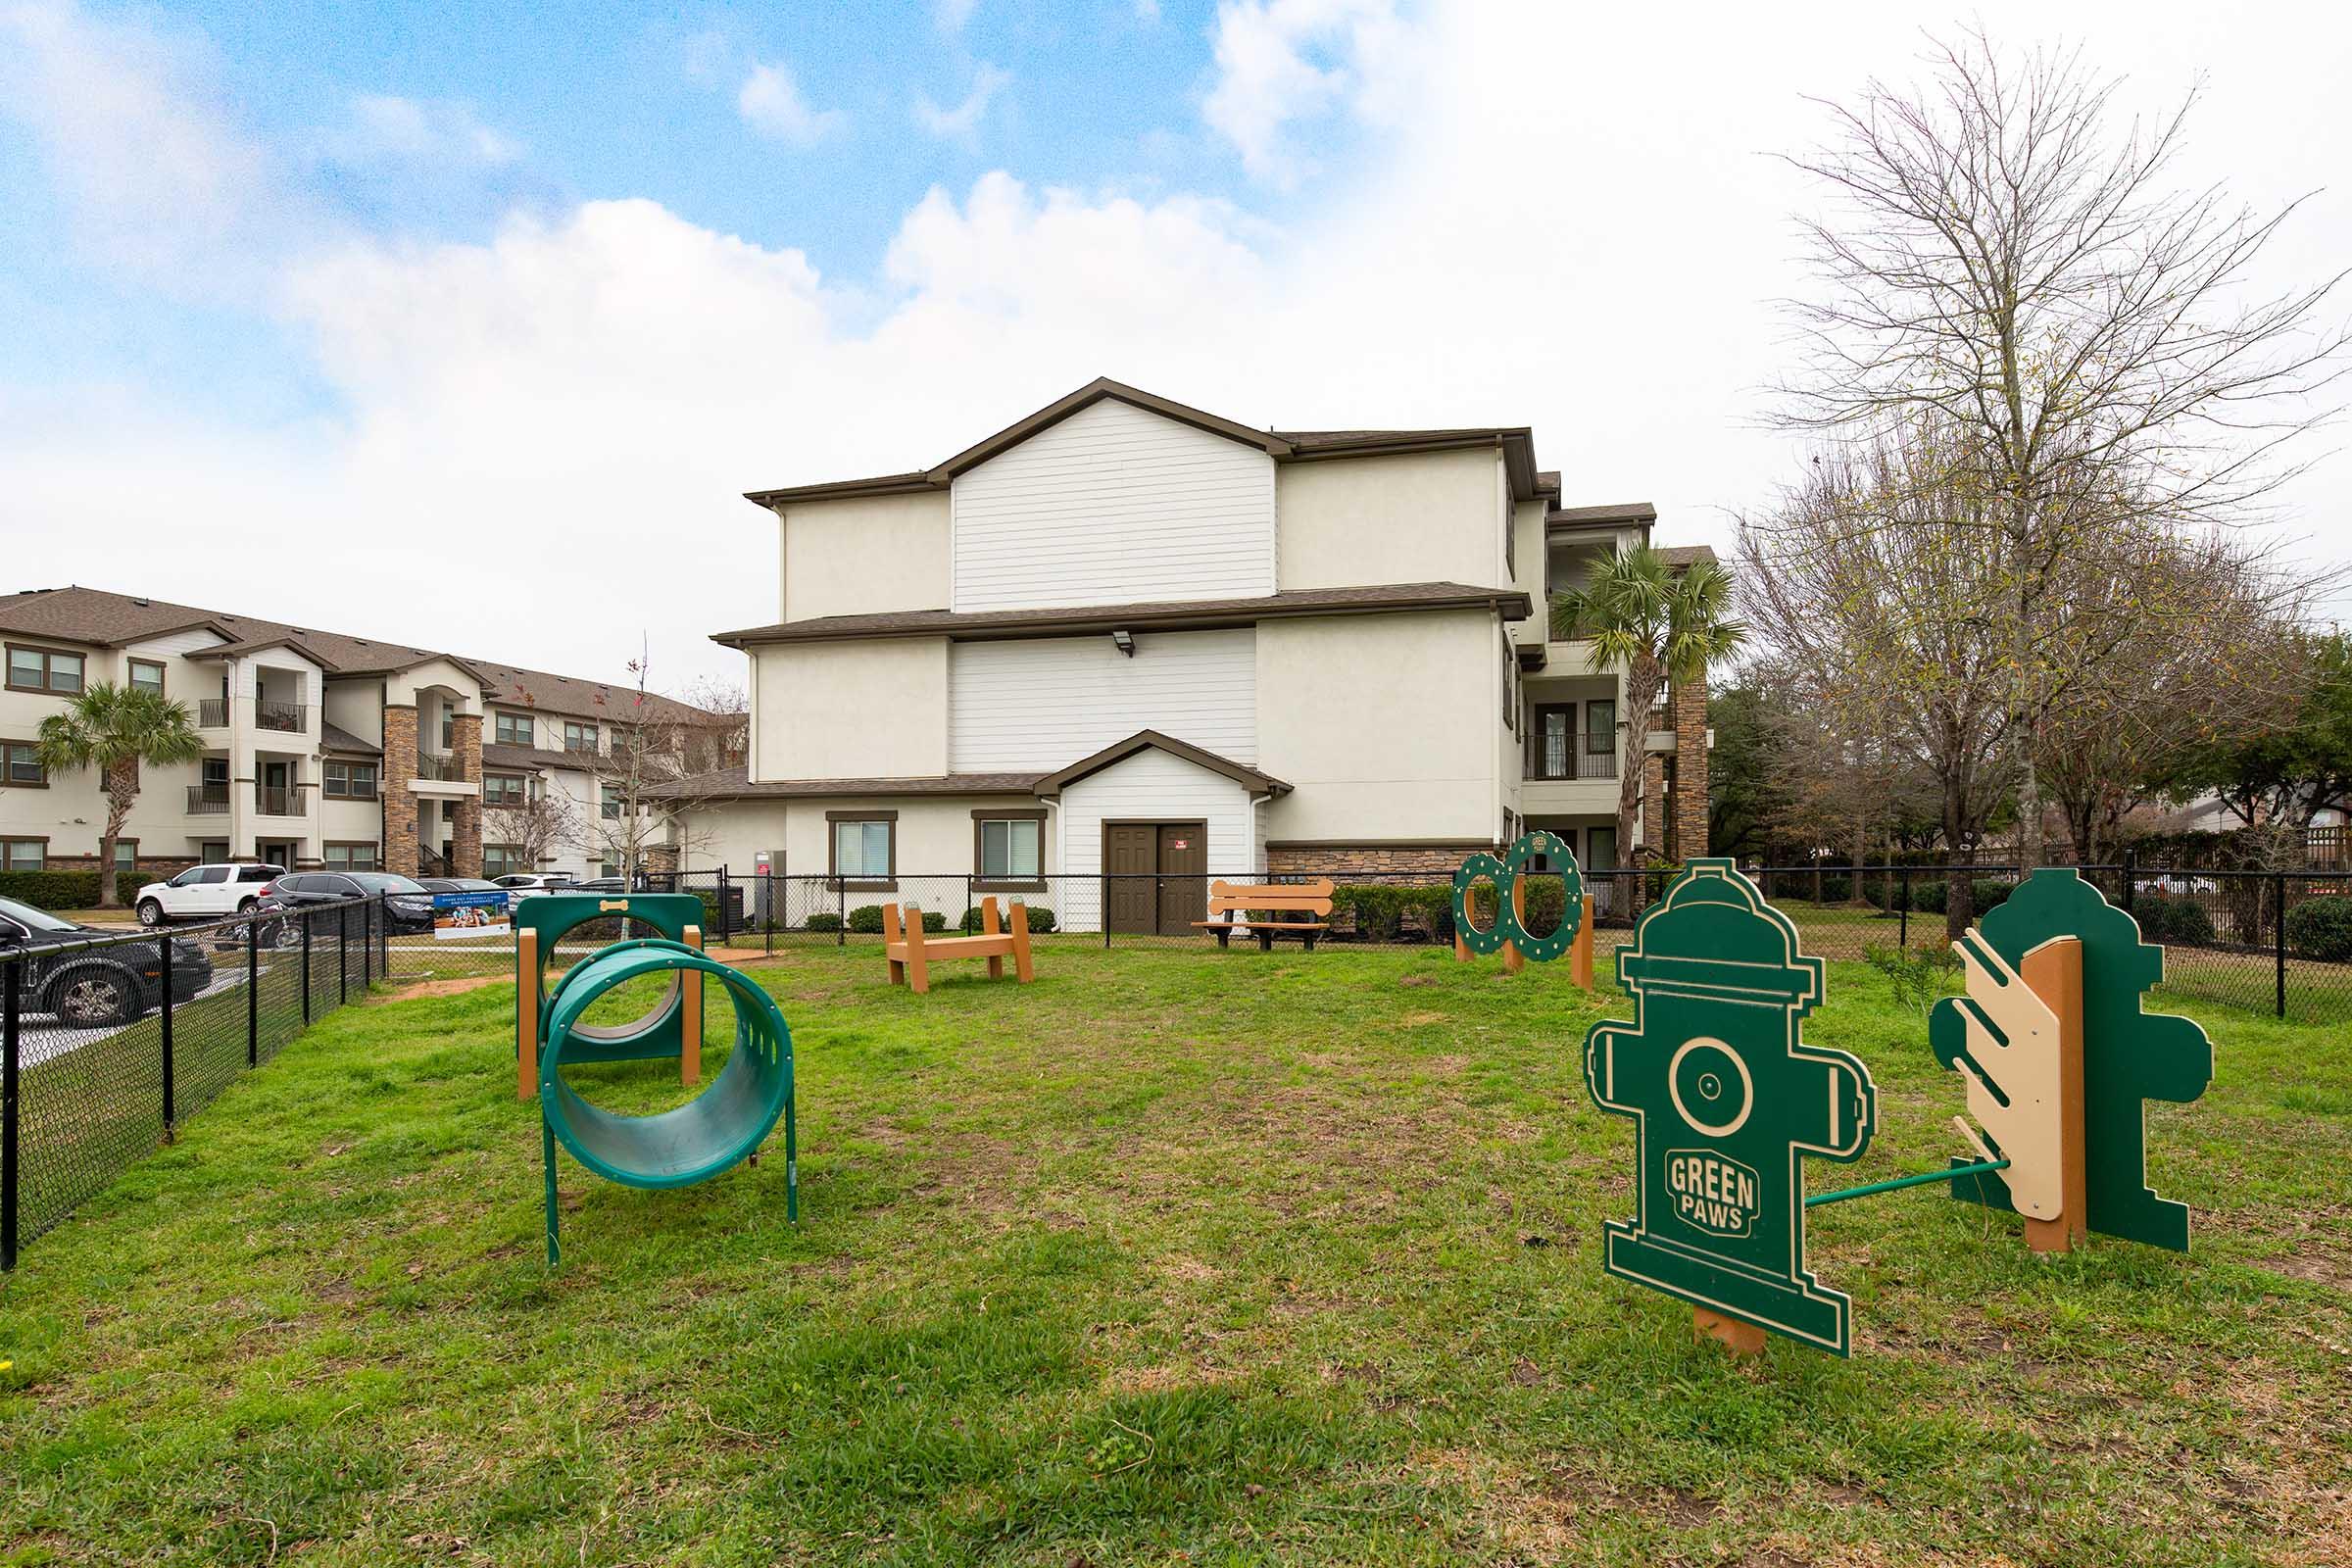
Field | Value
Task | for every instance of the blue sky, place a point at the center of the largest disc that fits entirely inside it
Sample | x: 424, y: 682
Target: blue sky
x: 416, y: 320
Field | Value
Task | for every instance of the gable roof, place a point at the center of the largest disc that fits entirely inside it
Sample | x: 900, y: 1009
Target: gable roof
x: 106, y: 619
x: 1284, y: 446
x: 1242, y: 773
x: 1176, y: 614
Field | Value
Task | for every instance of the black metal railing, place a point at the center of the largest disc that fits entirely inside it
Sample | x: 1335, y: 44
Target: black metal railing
x: 435, y: 765
x: 291, y: 718
x: 208, y: 800
x: 109, y: 1042
x: 278, y: 799
x: 1571, y: 754
x: 212, y: 712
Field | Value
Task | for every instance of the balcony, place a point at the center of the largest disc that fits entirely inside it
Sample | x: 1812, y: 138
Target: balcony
x: 446, y: 768
x: 280, y: 800
x: 292, y: 719
x: 212, y: 712
x: 442, y: 778
x: 1562, y: 758
x: 208, y: 800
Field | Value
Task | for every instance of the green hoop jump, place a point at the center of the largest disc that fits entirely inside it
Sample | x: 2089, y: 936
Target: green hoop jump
x: 721, y: 1127
x: 660, y: 1032
x: 1505, y: 873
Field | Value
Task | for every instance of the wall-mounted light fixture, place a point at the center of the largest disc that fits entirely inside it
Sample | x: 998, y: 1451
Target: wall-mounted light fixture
x: 1124, y: 641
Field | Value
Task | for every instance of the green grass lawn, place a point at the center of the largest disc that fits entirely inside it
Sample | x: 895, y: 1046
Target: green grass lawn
x: 1166, y: 1258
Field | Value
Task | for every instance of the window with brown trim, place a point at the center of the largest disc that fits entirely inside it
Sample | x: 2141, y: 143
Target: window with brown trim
x: 127, y: 854
x: 45, y: 669
x: 350, y: 856
x: 511, y: 730
x: 503, y: 859
x: 20, y: 765
x: 1008, y: 849
x: 348, y: 781
x: 147, y: 675
x: 503, y: 789
x: 24, y: 854
x: 578, y: 737
x: 862, y: 849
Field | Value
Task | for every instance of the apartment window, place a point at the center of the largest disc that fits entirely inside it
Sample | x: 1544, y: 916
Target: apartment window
x: 579, y: 737
x: 127, y: 854
x: 513, y: 729
x: 24, y: 854
x: 1008, y: 848
x: 1600, y: 726
x: 20, y: 765
x: 449, y: 729
x: 43, y: 669
x: 147, y: 675
x: 864, y: 848
x: 503, y: 859
x: 610, y: 869
x: 350, y: 857
x: 350, y: 781
x: 609, y: 804
x: 1510, y: 688
x: 503, y: 789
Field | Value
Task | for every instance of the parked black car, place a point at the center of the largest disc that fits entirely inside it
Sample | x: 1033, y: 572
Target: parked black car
x: 408, y: 904
x: 109, y: 984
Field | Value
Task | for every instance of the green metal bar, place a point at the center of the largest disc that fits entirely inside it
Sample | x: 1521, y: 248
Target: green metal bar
x: 1899, y: 1182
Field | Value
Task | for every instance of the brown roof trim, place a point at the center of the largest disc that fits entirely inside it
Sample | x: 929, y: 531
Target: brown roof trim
x: 1160, y: 616
x: 1613, y: 511
x: 1284, y: 446
x: 1052, y: 784
x: 733, y: 784
x: 258, y: 645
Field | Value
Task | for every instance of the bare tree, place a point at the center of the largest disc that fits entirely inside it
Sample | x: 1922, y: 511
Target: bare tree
x: 2002, y: 262
x: 534, y: 826
x: 648, y: 783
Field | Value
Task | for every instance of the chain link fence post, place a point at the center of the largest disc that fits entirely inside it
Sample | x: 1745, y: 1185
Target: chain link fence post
x: 840, y: 914
x: 1902, y: 927
x: 163, y: 945
x: 2278, y: 934
x: 342, y: 949
x: 2131, y: 874
x: 306, y: 967
x: 11, y: 1070
x: 253, y: 990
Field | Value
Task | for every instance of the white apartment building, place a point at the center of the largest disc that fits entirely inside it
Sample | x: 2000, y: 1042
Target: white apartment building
x: 1123, y: 635
x: 321, y: 749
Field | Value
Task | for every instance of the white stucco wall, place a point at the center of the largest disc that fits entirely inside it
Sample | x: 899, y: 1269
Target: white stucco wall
x: 1387, y: 727
x: 1420, y: 517
x: 1036, y: 706
x: 865, y: 555
x: 1111, y: 506
x: 863, y: 710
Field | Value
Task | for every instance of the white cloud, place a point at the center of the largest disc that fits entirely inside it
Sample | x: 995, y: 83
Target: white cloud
x: 1147, y: 11
x: 952, y: 15
x: 771, y: 103
x: 962, y: 123
x: 1281, y: 62
x: 384, y: 127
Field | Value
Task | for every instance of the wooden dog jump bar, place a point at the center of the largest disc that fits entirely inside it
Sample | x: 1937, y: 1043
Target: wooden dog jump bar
x: 911, y: 950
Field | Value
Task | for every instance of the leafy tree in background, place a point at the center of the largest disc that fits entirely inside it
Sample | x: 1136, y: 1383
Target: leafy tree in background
x: 2284, y: 774
x: 1744, y: 790
x: 1658, y: 624
x: 114, y: 729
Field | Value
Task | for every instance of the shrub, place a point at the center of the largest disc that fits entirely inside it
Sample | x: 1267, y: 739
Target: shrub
x: 2322, y: 929
x: 866, y: 919
x: 1040, y: 919
x: 1919, y: 975
x: 823, y: 920
x: 1388, y: 912
x: 1928, y: 893
x: 61, y: 890
x: 2174, y: 921
x: 933, y: 920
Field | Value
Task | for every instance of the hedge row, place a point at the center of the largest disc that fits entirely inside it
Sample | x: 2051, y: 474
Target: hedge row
x: 54, y: 890
x: 2322, y: 929
x: 867, y: 920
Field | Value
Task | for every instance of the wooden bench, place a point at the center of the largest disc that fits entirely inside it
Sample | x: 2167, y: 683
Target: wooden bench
x: 1234, y: 901
x: 911, y: 950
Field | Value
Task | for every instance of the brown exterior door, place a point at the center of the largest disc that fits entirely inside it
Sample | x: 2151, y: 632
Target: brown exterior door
x: 1183, y: 876
x: 1130, y: 857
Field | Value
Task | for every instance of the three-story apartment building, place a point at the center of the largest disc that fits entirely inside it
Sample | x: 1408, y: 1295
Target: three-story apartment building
x: 321, y: 749
x: 1127, y: 636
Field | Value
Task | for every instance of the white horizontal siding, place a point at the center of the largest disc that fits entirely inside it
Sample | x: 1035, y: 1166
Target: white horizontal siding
x: 178, y: 642
x: 1114, y: 506
x: 1036, y: 706
x: 1152, y: 786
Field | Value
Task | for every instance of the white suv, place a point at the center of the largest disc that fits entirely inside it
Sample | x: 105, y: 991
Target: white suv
x: 202, y: 891
x: 525, y: 884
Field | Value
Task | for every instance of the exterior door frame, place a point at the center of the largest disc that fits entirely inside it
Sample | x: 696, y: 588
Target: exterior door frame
x: 1157, y: 824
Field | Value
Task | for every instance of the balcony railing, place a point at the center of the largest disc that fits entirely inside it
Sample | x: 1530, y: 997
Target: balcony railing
x: 212, y: 712
x: 208, y: 800
x: 277, y: 800
x: 292, y: 718
x: 448, y: 769
x: 1584, y: 754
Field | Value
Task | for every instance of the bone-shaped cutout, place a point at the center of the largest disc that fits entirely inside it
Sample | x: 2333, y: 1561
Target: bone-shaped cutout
x: 2012, y: 1073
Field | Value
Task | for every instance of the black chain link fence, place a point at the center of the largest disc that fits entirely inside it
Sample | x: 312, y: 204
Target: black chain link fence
x: 109, y: 1041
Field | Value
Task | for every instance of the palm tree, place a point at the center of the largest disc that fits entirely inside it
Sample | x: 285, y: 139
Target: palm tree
x: 1658, y: 624
x: 114, y: 729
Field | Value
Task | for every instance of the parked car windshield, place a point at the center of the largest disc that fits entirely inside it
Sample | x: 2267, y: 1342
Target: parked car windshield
x: 24, y: 914
x: 384, y: 882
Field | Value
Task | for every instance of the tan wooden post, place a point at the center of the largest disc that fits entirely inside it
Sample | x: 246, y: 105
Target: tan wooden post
x: 990, y: 926
x: 890, y: 936
x: 1513, y: 960
x: 2054, y: 971
x: 690, y: 1015
x: 1735, y: 1335
x: 1022, y: 971
x: 526, y: 1015
x: 918, y: 970
x: 1580, y: 952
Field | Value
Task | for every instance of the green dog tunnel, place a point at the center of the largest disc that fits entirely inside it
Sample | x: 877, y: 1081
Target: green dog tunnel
x: 722, y: 1126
